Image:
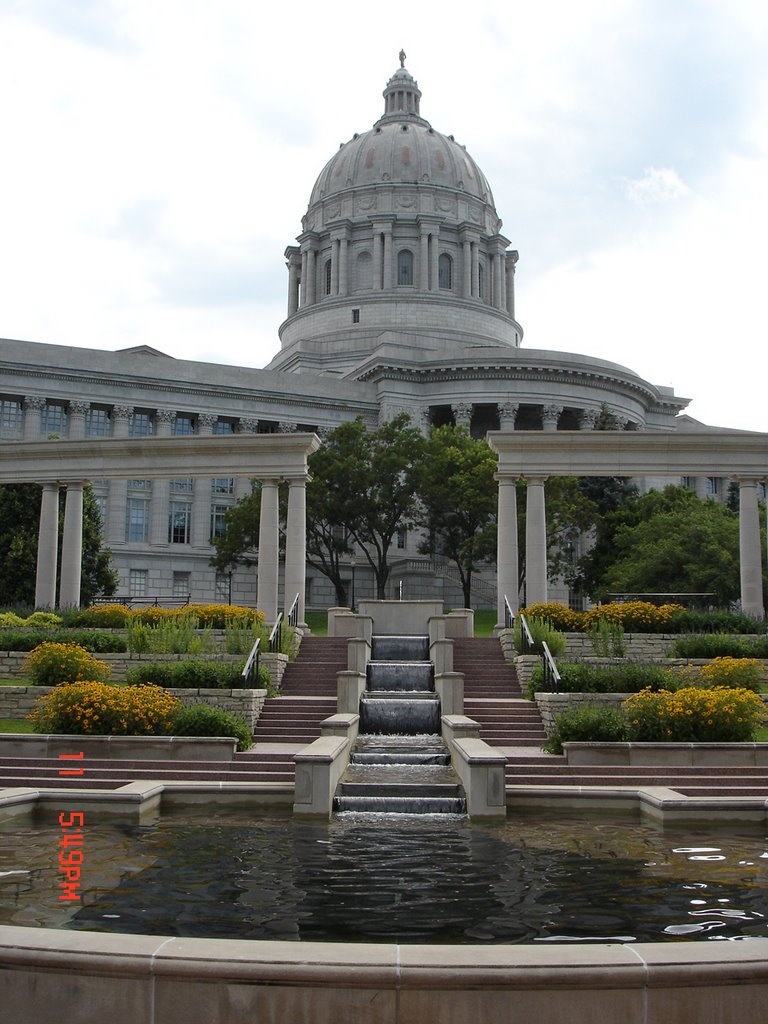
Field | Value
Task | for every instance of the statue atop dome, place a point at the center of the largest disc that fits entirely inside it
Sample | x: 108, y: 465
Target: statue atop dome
x: 401, y: 55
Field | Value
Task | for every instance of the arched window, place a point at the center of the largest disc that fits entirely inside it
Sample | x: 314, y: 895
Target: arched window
x: 405, y: 267
x: 481, y: 281
x: 364, y: 276
x: 327, y: 277
x: 445, y: 271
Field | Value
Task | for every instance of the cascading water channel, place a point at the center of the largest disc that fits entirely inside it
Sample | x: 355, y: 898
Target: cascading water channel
x: 400, y: 763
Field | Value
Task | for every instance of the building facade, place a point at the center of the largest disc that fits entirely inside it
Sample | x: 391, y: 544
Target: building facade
x: 401, y: 298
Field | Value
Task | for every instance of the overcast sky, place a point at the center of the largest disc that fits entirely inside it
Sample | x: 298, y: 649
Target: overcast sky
x: 156, y: 158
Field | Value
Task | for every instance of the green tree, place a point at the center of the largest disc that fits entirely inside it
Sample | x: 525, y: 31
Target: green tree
x: 458, y: 497
x: 19, y: 524
x: 668, y: 541
x: 362, y: 489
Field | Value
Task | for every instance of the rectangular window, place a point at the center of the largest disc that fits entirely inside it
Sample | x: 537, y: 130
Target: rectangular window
x: 181, y: 584
x: 97, y: 423
x: 223, y: 587
x: 54, y: 420
x: 179, y: 522
x: 219, y: 520
x: 402, y: 537
x: 183, y: 425
x: 183, y: 483
x: 137, y: 520
x: 101, y: 504
x: 10, y: 417
x: 140, y: 485
x: 355, y: 316
x: 761, y: 492
x: 713, y: 486
x: 141, y: 425
x: 137, y: 582
x: 223, y: 427
x: 223, y: 485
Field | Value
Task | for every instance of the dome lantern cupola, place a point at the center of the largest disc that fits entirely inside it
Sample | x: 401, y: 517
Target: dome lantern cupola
x: 401, y: 97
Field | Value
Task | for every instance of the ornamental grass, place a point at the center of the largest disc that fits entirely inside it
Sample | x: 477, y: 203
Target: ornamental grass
x: 694, y: 715
x: 51, y: 664
x: 87, y: 708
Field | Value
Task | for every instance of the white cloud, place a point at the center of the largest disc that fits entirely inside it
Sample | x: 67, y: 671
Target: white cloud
x: 657, y: 185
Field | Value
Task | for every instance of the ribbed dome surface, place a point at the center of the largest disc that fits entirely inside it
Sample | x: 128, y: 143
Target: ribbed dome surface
x: 402, y: 149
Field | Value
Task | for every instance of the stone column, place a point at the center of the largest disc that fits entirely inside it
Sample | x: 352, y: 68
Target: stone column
x: 72, y: 548
x: 311, y: 277
x: 462, y: 414
x: 588, y: 419
x: 535, y: 542
x: 295, y: 261
x: 33, y: 410
x: 335, y: 253
x: 424, y: 260
x: 496, y: 278
x: 77, y: 413
x: 466, y: 269
x: 434, y: 261
x: 269, y: 551
x: 304, y: 278
x: 507, y: 560
x: 118, y: 489
x: 510, y: 261
x: 378, y: 246
x: 387, y: 258
x: 296, y: 546
x: 507, y: 415
x: 47, y: 548
x: 343, y: 267
x: 550, y: 414
x: 749, y: 551
x: 161, y: 489
x: 475, y: 270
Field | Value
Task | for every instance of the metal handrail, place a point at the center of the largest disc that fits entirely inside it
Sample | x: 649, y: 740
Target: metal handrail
x: 551, y: 675
x: 292, y: 615
x: 525, y: 636
x: 509, y: 615
x: 251, y: 670
x: 273, y: 643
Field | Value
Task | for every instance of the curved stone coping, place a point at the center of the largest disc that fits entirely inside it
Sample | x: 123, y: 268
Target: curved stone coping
x: 133, y: 748
x: 161, y: 980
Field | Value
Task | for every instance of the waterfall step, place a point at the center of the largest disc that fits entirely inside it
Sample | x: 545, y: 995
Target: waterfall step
x: 445, y: 789
x: 389, y: 756
x: 400, y: 805
x: 399, y: 648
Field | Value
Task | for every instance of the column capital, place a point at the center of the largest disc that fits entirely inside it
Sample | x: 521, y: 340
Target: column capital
x: 79, y: 408
x: 284, y: 427
x: 165, y: 415
x: 462, y: 413
x: 245, y: 425
x: 122, y: 412
x: 550, y: 414
x: 588, y: 419
x: 206, y: 421
x: 35, y: 403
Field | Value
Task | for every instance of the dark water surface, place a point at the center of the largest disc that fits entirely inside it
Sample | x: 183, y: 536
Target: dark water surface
x: 394, y: 879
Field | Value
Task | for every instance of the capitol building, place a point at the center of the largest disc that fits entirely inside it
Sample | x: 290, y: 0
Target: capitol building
x: 400, y: 298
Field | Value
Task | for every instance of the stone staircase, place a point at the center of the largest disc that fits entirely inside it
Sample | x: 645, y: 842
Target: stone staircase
x: 308, y: 694
x: 492, y: 695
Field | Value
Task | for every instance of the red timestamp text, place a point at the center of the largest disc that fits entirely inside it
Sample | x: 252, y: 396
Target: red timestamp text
x: 71, y: 853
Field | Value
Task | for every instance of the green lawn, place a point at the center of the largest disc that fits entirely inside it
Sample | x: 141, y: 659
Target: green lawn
x: 15, y: 725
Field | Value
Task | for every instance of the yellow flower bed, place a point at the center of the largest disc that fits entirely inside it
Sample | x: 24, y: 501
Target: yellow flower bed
x: 638, y: 616
x: 93, y: 708
x: 560, y: 616
x: 216, y: 616
x: 736, y: 673
x: 694, y: 715
x: 50, y: 664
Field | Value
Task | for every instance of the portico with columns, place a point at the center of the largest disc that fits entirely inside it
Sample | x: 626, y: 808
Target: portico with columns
x: 534, y: 456
x: 273, y: 459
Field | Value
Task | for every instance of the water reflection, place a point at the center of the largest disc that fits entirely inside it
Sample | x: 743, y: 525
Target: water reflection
x: 398, y: 879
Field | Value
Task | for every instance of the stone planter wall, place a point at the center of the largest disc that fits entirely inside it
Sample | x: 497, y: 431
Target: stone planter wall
x: 18, y: 701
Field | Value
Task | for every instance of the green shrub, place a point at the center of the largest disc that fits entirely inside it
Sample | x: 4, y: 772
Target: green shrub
x: 607, y: 638
x: 541, y: 632
x: 170, y: 635
x: 94, y: 640
x: 202, y: 720
x: 589, y: 723
x: 687, y: 621
x: 196, y: 675
x: 623, y: 677
x: 94, y: 708
x: 10, y: 620
x: 50, y: 664
x: 694, y: 715
x: 44, y: 620
x: 718, y: 645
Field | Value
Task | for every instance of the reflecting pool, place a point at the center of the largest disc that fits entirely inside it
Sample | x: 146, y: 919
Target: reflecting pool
x: 421, y: 879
